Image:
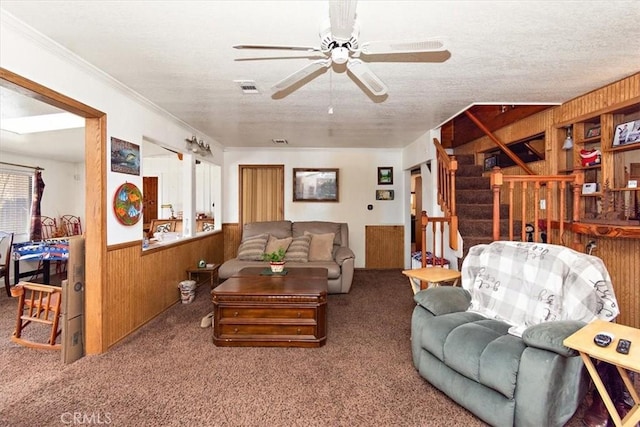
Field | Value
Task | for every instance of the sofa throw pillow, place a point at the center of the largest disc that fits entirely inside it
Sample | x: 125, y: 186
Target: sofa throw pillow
x: 252, y: 249
x: 273, y: 244
x: 298, y: 249
x: 208, y: 226
x: 321, y: 246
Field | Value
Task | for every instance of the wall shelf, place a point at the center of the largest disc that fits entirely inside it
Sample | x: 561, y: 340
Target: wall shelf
x: 606, y: 230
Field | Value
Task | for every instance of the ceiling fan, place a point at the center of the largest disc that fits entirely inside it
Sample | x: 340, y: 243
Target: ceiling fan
x: 340, y: 44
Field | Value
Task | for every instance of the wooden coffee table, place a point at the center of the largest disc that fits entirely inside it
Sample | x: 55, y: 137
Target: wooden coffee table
x: 257, y: 310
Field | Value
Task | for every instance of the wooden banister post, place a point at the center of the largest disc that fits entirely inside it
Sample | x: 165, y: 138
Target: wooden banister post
x: 577, y: 191
x: 496, y: 183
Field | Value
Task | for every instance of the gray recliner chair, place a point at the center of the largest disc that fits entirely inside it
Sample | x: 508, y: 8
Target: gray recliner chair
x: 495, y: 346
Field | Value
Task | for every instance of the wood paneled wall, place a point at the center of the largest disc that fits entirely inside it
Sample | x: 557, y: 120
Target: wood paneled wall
x: 620, y: 255
x: 606, y: 99
x: 232, y: 235
x: 622, y: 258
x: 384, y: 246
x: 141, y: 285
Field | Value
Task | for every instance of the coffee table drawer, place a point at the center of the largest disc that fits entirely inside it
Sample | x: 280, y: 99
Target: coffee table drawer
x: 235, y: 330
x: 267, y: 313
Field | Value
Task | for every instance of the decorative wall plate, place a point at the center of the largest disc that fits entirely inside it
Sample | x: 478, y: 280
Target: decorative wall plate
x: 127, y: 204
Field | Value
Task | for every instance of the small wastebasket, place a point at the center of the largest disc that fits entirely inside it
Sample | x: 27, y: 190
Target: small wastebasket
x: 187, y: 291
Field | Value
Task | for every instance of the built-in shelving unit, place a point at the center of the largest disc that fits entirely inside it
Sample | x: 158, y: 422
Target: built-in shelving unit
x: 612, y: 208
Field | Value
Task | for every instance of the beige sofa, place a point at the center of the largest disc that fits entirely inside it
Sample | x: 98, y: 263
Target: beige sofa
x: 339, y: 263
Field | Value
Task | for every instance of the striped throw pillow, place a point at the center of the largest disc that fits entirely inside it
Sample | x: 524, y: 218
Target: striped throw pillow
x: 252, y: 248
x: 298, y: 249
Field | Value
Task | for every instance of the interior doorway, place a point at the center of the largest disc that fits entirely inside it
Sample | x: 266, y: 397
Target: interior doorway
x: 95, y: 197
x: 416, y: 209
x: 149, y: 200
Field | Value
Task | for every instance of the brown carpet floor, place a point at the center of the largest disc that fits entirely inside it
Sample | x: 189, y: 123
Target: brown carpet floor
x: 169, y: 373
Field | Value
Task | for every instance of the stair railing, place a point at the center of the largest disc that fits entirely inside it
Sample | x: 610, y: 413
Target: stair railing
x: 446, y: 169
x: 541, y: 201
x: 434, y: 245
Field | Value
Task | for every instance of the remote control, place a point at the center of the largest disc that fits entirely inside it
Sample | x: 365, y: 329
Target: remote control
x: 623, y: 346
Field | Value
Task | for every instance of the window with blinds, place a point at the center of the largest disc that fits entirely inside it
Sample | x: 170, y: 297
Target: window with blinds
x: 15, y: 201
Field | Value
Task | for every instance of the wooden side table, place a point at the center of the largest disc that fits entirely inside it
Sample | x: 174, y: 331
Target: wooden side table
x: 582, y: 341
x: 212, y: 272
x: 432, y: 276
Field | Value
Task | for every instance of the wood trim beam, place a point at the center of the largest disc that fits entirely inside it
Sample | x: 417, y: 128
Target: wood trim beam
x: 500, y: 144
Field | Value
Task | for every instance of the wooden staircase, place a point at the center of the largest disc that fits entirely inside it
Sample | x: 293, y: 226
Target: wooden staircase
x: 474, y: 203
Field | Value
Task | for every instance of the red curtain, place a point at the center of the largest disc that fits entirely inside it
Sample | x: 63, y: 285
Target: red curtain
x: 38, y: 190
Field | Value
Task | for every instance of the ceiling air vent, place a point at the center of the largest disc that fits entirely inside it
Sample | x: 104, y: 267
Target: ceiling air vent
x: 247, y: 86
x: 280, y: 141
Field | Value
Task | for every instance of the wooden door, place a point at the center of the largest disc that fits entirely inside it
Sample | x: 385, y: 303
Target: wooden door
x: 418, y: 218
x: 149, y: 199
x: 261, y: 193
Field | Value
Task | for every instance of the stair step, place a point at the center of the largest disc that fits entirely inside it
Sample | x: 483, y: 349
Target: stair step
x: 465, y: 159
x: 469, y: 170
x: 484, y: 227
x: 479, y: 210
x: 469, y: 182
x: 473, y: 197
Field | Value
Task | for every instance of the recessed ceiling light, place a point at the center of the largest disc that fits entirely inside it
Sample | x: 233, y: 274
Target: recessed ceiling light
x: 44, y: 123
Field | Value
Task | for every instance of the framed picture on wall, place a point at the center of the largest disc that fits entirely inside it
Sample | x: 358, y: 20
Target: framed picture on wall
x: 592, y: 132
x: 490, y: 162
x: 627, y: 133
x: 385, y: 194
x: 125, y: 157
x: 385, y: 175
x: 315, y: 185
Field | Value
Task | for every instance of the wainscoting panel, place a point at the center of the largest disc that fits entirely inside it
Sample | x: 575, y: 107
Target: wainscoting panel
x: 622, y: 258
x: 384, y: 246
x: 142, y: 285
x: 232, y: 235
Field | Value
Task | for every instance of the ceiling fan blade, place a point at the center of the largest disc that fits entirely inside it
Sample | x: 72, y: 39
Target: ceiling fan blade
x: 342, y: 14
x: 268, y: 58
x: 301, y: 74
x: 274, y: 47
x: 382, y: 47
x: 366, y: 77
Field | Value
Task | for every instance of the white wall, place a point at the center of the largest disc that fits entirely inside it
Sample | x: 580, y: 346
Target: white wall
x: 64, y: 191
x: 358, y: 181
x: 422, y: 153
x: 130, y: 117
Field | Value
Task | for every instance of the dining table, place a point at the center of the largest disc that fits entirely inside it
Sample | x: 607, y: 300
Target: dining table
x: 44, y: 252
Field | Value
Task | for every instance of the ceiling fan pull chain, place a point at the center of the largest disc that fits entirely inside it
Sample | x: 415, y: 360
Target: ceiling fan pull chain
x: 330, y: 110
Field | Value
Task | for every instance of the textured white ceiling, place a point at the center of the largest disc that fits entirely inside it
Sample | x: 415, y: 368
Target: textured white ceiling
x: 179, y: 55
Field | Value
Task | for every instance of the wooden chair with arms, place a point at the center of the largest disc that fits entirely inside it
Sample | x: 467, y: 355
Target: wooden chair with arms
x: 37, y: 304
x: 5, y: 259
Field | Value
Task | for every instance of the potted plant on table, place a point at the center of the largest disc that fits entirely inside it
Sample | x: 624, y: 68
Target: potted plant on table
x: 276, y: 260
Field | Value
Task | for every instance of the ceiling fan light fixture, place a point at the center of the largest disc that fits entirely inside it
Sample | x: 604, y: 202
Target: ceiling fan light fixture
x: 340, y: 55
